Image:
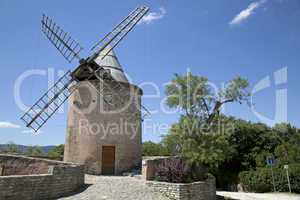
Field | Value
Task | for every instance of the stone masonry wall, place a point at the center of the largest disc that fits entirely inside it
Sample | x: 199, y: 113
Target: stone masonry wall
x: 20, y: 165
x: 61, y: 179
x: 205, y: 190
x: 149, y: 167
x: 93, y: 123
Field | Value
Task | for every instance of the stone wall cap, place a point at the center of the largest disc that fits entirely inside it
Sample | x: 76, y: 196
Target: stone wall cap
x: 24, y: 176
x: 178, y: 184
x: 41, y: 159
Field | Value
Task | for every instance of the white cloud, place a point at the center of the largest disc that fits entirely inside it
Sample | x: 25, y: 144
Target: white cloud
x: 30, y: 131
x: 5, y: 124
x: 153, y: 16
x: 244, y: 14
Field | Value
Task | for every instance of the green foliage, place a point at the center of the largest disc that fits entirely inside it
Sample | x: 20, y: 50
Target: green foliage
x: 287, y: 153
x: 186, y: 92
x: 57, y: 152
x: 225, y: 144
x: 249, y: 146
x: 260, y: 180
x: 12, y: 148
x: 34, y: 151
x: 153, y: 149
x: 262, y: 157
x: 171, y: 142
x: 253, y: 143
x: 203, y: 146
x: 256, y: 181
x: 197, y: 144
x: 198, y: 131
x: 193, y: 95
x: 236, y: 90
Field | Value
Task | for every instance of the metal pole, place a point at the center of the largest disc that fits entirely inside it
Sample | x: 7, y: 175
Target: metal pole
x: 288, y: 178
x: 273, y: 178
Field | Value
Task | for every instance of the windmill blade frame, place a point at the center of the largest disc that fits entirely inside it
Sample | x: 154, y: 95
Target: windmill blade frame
x: 113, y: 38
x: 62, y: 41
x: 49, y: 103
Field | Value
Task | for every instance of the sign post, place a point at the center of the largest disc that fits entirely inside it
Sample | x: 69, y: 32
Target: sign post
x: 286, y: 167
x: 271, y: 162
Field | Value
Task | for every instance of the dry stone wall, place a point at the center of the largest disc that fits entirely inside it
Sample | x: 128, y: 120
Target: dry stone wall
x: 59, y: 180
x: 205, y: 190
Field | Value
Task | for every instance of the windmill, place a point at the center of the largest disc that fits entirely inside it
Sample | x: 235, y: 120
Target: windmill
x: 88, y: 69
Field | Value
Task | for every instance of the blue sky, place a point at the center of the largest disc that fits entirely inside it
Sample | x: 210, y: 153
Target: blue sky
x: 212, y: 38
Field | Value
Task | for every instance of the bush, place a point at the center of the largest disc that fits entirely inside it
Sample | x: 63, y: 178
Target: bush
x: 153, y: 149
x: 261, y: 179
x: 175, y: 170
x: 57, y: 153
x: 172, y: 170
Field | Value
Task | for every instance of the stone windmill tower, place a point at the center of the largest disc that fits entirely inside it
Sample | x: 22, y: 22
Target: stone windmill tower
x: 104, y: 119
x: 105, y: 136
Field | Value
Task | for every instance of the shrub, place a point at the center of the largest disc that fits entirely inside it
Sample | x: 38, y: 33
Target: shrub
x: 153, y: 149
x: 261, y: 179
x: 57, y: 152
x: 172, y: 170
x: 176, y: 170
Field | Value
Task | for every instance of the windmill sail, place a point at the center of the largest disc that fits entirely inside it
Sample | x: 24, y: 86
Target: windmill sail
x: 113, y: 38
x: 67, y: 46
x: 49, y: 103
x: 108, y: 43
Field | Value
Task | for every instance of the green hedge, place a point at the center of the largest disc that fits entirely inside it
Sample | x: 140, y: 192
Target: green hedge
x: 260, y: 180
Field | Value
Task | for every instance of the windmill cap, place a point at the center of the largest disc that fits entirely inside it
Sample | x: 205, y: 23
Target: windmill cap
x: 111, y: 62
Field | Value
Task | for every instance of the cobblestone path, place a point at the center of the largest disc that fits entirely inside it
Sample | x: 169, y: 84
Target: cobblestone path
x: 115, y: 188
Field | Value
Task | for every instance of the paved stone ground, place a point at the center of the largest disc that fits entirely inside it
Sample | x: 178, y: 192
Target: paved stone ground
x: 256, y: 196
x: 115, y: 188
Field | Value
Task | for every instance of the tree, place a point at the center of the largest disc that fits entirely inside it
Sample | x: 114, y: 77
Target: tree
x: 171, y: 142
x: 57, y: 152
x: 198, y: 129
x: 287, y: 133
x: 287, y: 153
x: 34, y: 151
x: 12, y: 148
x: 153, y: 149
x: 193, y: 95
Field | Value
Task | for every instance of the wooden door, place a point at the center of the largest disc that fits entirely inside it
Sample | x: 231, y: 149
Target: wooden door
x: 108, y: 160
x: 1, y: 170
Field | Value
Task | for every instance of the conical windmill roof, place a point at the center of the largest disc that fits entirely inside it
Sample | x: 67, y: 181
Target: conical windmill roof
x: 112, y: 63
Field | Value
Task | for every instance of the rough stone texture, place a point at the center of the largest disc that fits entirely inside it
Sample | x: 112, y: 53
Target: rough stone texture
x: 90, y: 127
x: 20, y: 165
x: 60, y: 179
x: 116, y: 188
x: 150, y: 165
x: 205, y: 190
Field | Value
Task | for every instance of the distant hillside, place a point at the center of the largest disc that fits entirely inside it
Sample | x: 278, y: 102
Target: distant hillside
x: 23, y: 148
